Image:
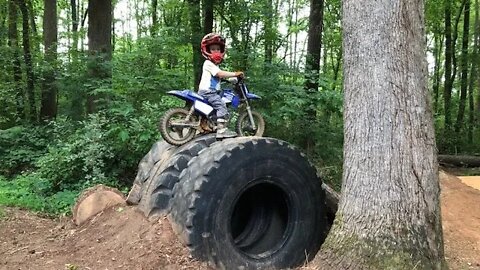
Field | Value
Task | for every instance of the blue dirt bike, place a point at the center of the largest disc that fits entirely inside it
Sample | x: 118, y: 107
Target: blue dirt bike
x: 180, y: 125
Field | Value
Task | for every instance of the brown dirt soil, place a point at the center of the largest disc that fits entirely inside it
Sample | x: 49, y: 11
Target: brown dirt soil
x: 121, y: 238
x: 461, y: 223
x: 118, y: 238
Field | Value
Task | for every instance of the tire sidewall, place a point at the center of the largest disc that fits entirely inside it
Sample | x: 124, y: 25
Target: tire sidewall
x: 274, y: 167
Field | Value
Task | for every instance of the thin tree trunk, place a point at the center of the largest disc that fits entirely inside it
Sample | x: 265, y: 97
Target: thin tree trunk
x: 17, y: 71
x: 195, y: 40
x: 4, y: 24
x: 154, y: 28
x: 30, y: 90
x: 447, y: 90
x: 389, y: 211
x: 326, y: 52
x: 48, y: 109
x: 314, y: 45
x: 312, y: 67
x: 471, y: 105
x: 269, y: 35
x: 474, y: 117
x: 437, y: 54
x: 75, y: 17
x: 336, y: 69
x: 208, y: 16
x: 35, y: 43
x: 465, y: 64
x: 295, y: 40
x: 99, y: 44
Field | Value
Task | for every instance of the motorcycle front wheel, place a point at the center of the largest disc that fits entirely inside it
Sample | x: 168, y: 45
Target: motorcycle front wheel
x: 244, y: 127
x: 171, y: 129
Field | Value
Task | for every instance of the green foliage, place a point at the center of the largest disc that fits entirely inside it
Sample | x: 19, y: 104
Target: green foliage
x: 78, y: 150
x: 28, y: 191
x: 77, y: 157
x: 283, y: 105
x: 20, y: 147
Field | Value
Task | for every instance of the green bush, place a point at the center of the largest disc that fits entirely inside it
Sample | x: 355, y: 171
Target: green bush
x: 20, y: 147
x: 29, y: 192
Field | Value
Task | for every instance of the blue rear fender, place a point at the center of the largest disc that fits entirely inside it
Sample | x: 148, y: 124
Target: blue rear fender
x: 187, y: 95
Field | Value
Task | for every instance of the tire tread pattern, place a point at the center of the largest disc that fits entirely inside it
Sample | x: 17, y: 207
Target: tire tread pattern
x: 160, y: 190
x: 188, y: 194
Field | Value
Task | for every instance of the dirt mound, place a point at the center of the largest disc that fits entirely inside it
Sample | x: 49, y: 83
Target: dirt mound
x: 118, y: 238
x: 122, y: 238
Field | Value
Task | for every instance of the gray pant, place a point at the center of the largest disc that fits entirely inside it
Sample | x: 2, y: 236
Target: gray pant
x: 216, y: 101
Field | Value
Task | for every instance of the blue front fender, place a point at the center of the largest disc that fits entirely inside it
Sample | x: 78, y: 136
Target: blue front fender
x: 252, y: 96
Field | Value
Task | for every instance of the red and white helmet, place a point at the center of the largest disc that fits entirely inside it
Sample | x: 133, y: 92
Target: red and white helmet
x: 210, y: 39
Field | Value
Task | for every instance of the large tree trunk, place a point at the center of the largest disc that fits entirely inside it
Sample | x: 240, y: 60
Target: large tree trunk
x: 196, y: 38
x: 48, y: 109
x: 389, y: 211
x: 99, y: 44
x: 465, y: 62
x: 27, y: 55
x: 17, y: 71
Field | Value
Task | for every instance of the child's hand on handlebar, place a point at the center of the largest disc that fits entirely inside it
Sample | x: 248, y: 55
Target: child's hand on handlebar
x: 239, y: 74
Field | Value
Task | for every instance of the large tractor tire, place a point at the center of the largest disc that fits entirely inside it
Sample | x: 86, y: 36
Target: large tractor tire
x: 159, y: 152
x: 250, y: 203
x: 158, y: 193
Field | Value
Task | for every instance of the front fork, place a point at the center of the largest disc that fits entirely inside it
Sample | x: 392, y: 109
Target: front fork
x: 250, y: 115
x: 190, y: 113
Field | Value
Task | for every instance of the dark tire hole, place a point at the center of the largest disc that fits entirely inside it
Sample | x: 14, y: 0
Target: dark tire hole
x: 260, y: 219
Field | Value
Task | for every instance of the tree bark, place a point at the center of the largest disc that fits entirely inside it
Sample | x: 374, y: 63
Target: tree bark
x: 465, y: 63
x: 99, y: 44
x: 27, y: 55
x: 437, y: 53
x: 312, y: 68
x: 208, y: 16
x: 314, y: 45
x: 195, y: 39
x: 389, y: 211
x: 75, y: 20
x: 447, y: 90
x: 269, y: 34
x: 48, y: 109
x: 154, y: 27
x: 17, y: 71
x: 476, y: 117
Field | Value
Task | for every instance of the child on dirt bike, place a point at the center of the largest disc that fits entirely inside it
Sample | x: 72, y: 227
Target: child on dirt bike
x: 213, y: 49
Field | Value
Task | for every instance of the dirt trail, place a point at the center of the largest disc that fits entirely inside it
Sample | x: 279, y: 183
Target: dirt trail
x: 121, y: 238
x: 461, y: 223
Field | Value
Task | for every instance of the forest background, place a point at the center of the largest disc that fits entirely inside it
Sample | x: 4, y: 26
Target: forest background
x: 83, y: 83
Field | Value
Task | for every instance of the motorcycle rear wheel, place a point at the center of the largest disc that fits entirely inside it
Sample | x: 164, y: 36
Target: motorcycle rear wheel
x: 176, y: 135
x: 244, y: 128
